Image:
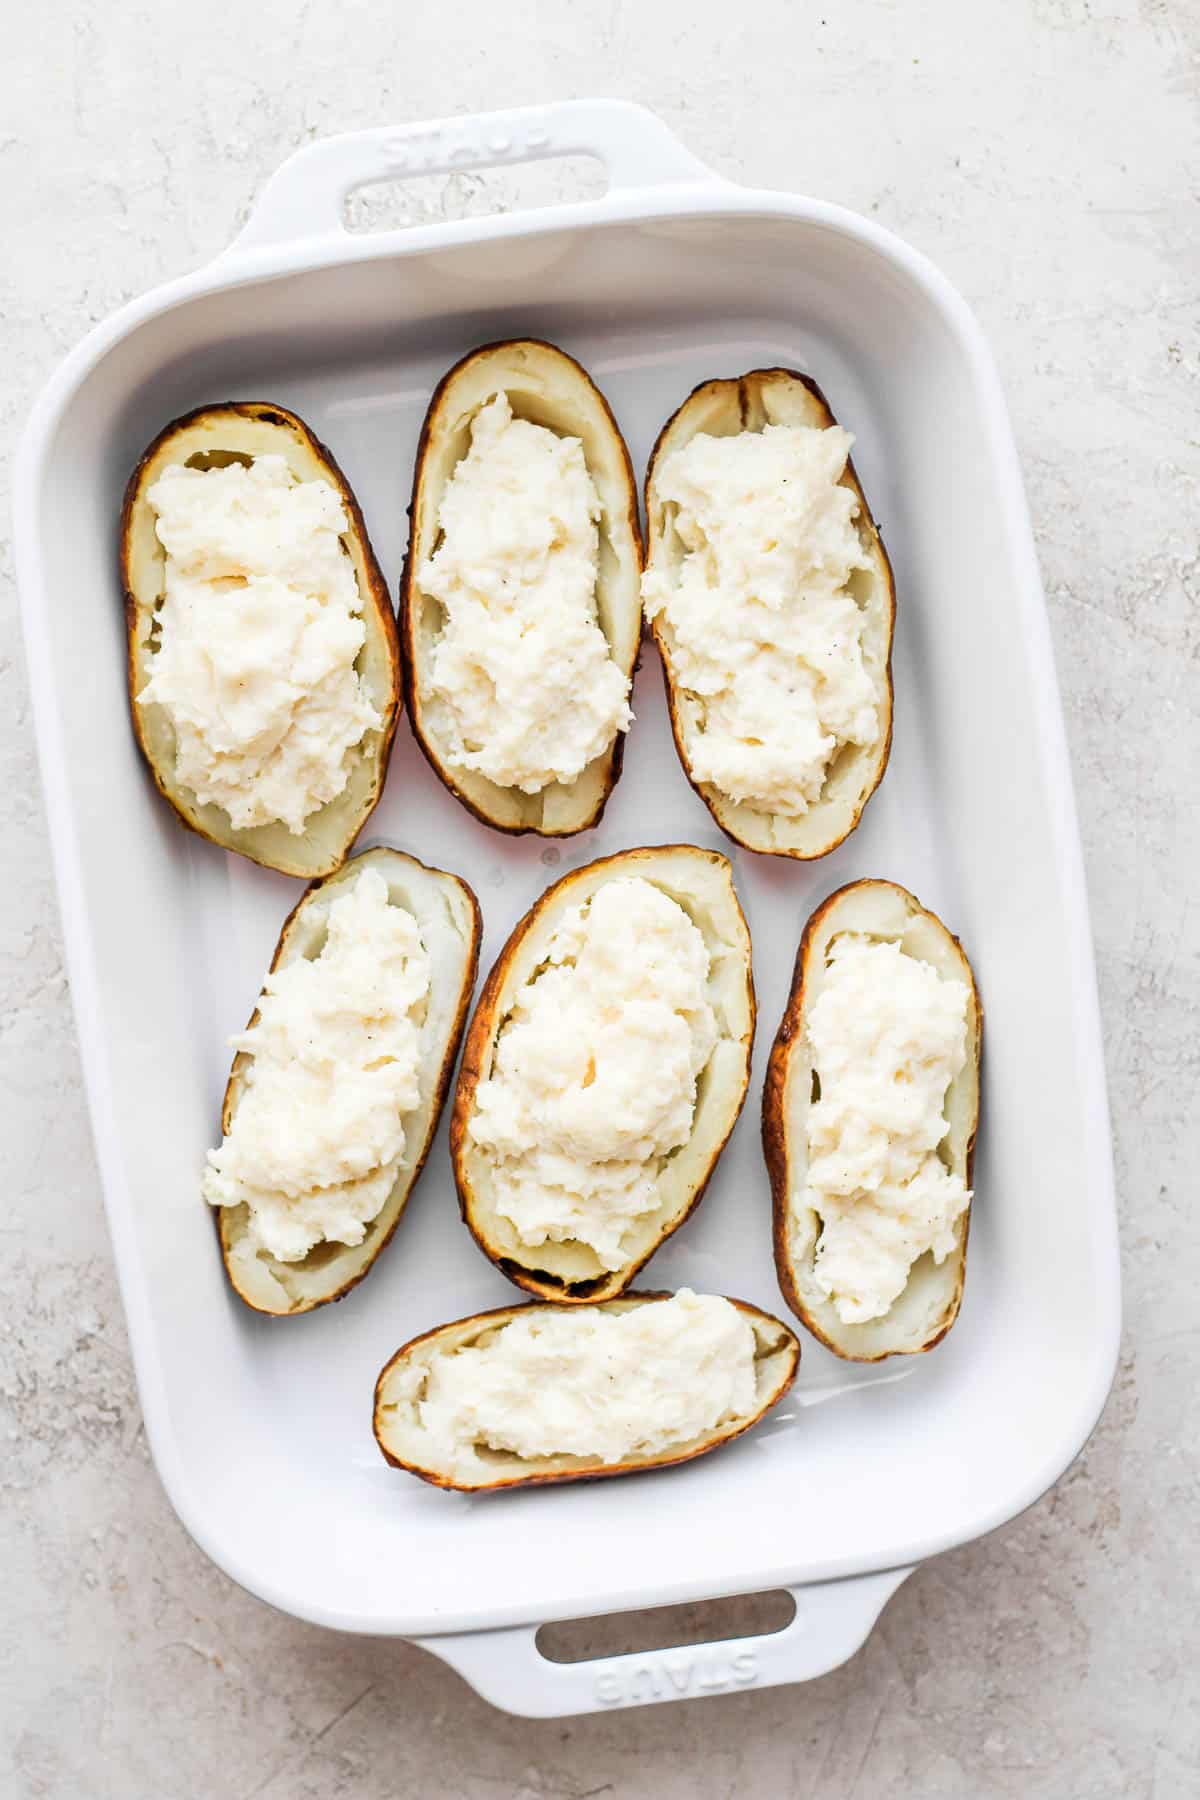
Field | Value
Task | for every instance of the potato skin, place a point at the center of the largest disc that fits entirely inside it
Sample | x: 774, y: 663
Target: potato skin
x: 408, y: 608
x: 265, y: 413
x: 479, y: 1036
x: 774, y: 1133
x: 441, y: 1089
x: 746, y: 385
x: 601, y: 1471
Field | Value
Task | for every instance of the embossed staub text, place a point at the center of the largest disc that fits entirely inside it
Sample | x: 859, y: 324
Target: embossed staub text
x: 448, y: 147
x: 635, y: 1681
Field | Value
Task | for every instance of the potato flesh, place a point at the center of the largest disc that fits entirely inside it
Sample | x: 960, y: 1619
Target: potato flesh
x: 596, y: 1069
x: 546, y: 388
x: 590, y: 1383
x: 257, y: 638
x: 332, y: 1072
x: 213, y: 437
x: 759, y: 615
x: 523, y: 684
x: 701, y: 882
x: 476, y: 1468
x: 725, y: 408
x: 888, y: 1037
x: 449, y: 923
x: 929, y: 1302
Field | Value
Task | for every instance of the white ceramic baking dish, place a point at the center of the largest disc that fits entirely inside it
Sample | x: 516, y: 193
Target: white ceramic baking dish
x: 261, y: 1431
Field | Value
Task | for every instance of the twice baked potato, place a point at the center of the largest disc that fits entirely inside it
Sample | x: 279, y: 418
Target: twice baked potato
x: 214, y: 437
x: 564, y: 1267
x: 928, y: 1304
x: 447, y: 914
x: 727, y: 408
x: 547, y: 388
x: 407, y: 1399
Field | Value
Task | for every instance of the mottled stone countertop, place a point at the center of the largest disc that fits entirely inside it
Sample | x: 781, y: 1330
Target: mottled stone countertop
x: 1043, y: 152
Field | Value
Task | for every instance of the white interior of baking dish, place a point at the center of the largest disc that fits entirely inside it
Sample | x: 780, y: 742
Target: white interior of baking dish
x: 261, y: 1430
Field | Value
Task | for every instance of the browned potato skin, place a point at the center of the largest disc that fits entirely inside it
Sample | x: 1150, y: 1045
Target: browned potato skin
x: 268, y: 413
x: 479, y: 1035
x: 408, y: 609
x: 443, y: 1086
x: 601, y: 1471
x: 774, y: 1137
x: 745, y: 385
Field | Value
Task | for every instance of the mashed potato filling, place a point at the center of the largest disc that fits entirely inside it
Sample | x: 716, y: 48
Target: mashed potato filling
x: 588, y: 1383
x: 316, y: 1141
x: 888, y: 1036
x: 760, y: 622
x: 523, y: 686
x: 258, y: 632
x: 595, y: 1070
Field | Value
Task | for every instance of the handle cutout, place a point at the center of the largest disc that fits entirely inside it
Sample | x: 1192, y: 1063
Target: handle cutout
x: 395, y: 204
x: 667, y: 1627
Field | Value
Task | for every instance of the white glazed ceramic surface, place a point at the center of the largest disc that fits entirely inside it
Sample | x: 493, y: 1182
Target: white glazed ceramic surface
x: 262, y: 1430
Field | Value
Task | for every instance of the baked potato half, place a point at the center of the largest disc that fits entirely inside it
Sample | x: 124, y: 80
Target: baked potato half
x: 726, y: 408
x: 448, y: 915
x: 407, y: 1443
x: 929, y: 1303
x: 701, y: 881
x: 548, y: 388
x: 213, y: 437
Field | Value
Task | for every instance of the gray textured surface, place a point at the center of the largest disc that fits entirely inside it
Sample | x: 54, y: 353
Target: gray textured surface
x: 1043, y: 151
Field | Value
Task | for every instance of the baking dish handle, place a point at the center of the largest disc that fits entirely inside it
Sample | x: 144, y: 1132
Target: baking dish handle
x: 305, y: 196
x: 832, y: 1620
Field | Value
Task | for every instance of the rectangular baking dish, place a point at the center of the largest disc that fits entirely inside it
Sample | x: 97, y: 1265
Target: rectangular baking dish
x: 261, y: 1431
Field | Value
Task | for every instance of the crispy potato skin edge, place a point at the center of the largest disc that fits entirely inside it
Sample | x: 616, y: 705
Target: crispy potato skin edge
x: 704, y: 789
x: 775, y: 1140
x: 601, y: 1471
x: 441, y: 1091
x: 408, y: 610
x: 479, y: 1035
x: 381, y: 601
